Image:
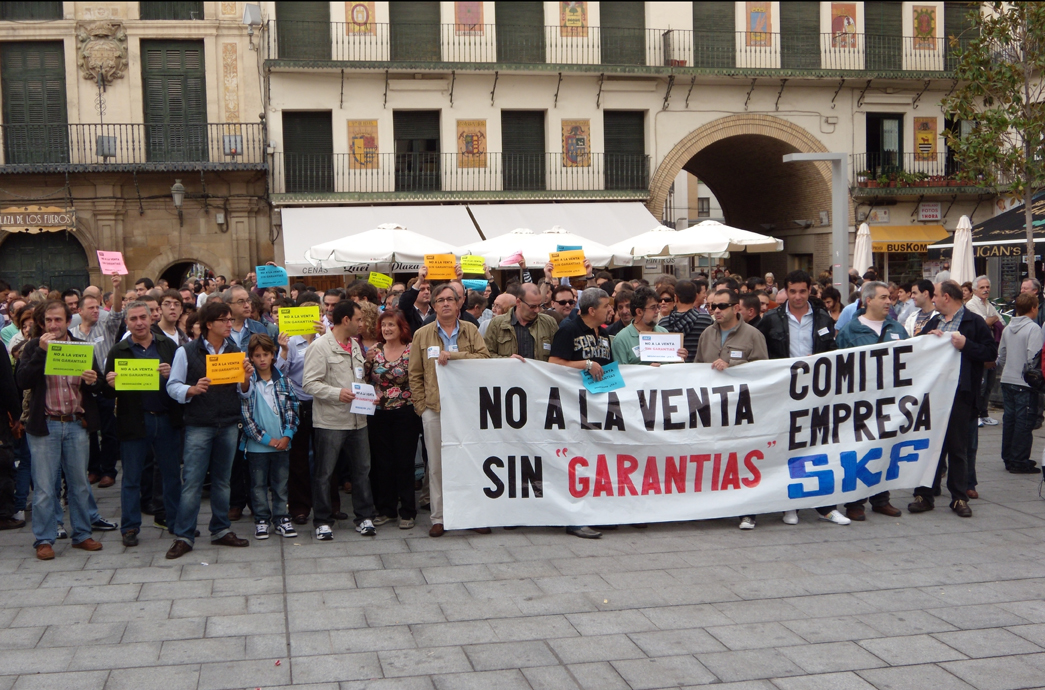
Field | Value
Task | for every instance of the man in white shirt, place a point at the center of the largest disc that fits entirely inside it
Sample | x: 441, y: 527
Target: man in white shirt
x: 981, y: 306
x: 209, y: 286
x: 170, y: 313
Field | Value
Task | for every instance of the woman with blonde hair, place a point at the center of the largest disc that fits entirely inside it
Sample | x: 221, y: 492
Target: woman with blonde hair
x: 368, y: 335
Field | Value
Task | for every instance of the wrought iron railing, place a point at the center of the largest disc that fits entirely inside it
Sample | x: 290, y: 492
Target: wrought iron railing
x: 129, y: 145
x: 594, y: 45
x: 893, y: 170
x: 378, y: 173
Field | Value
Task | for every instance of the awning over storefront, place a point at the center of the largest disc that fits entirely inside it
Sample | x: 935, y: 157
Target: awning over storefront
x: 905, y: 238
x: 1002, y: 235
x: 604, y: 222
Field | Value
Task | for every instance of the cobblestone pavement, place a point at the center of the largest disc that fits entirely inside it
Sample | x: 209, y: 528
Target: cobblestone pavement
x: 927, y: 601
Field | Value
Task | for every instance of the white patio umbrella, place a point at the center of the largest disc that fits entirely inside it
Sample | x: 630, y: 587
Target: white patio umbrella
x: 862, y: 259
x: 536, y: 247
x: 709, y: 238
x: 962, y: 267
x: 384, y: 246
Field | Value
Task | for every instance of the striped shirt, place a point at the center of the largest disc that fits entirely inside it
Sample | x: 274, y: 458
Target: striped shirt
x: 63, y: 395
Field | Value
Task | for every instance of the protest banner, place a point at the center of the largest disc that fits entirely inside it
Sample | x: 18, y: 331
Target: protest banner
x: 111, y: 262
x: 137, y: 374
x: 660, y: 347
x: 568, y: 264
x: 380, y: 280
x: 227, y: 368
x: 68, y: 359
x: 298, y: 320
x: 271, y: 276
x: 477, y: 285
x: 473, y: 264
x: 526, y: 444
x: 441, y: 266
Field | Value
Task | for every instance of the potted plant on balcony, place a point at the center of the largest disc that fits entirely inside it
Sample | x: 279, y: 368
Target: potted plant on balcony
x: 883, y: 181
x: 937, y: 181
x: 871, y: 182
x: 862, y: 177
x: 921, y: 179
x: 904, y: 179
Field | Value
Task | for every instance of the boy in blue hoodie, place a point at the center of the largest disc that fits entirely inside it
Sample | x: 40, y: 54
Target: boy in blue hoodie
x: 270, y: 418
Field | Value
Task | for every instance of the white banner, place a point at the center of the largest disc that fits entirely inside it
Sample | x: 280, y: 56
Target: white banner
x: 525, y: 444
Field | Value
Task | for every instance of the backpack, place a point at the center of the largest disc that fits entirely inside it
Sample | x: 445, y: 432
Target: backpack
x: 1033, y: 376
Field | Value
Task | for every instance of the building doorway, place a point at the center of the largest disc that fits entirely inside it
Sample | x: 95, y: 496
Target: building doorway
x: 55, y: 259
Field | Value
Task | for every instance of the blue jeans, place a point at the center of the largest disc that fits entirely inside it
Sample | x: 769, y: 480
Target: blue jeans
x: 206, y: 447
x: 165, y: 442
x: 1017, y: 425
x: 92, y: 505
x: 66, y: 448
x: 269, y: 472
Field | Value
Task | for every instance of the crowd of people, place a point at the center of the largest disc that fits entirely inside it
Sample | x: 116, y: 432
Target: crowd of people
x: 285, y: 441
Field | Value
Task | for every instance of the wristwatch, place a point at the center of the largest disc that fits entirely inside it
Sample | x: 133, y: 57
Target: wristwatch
x: 587, y: 365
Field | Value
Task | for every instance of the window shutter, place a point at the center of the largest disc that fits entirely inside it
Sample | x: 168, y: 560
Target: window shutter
x: 520, y: 31
x: 414, y: 31
x: 170, y: 10
x: 34, y: 108
x: 175, y: 101
x: 30, y: 10
x: 956, y: 23
x: 800, y: 35
x: 308, y: 151
x: 623, y: 33
x: 303, y: 30
x: 624, y: 140
x: 884, y: 40
x: 714, y: 34
x: 416, y: 134
x: 415, y: 124
x: 523, y: 143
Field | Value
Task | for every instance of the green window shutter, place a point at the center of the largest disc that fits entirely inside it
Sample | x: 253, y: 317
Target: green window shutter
x: 884, y: 40
x: 624, y: 140
x: 303, y: 30
x: 414, y: 31
x: 956, y: 23
x: 175, y: 101
x: 416, y: 135
x: 170, y: 10
x: 308, y: 151
x: 523, y: 144
x: 800, y: 35
x: 622, y: 34
x: 32, y: 77
x: 520, y: 32
x: 714, y: 34
x: 30, y: 10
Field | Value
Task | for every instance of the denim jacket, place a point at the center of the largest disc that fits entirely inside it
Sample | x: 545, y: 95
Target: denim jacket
x: 288, y: 410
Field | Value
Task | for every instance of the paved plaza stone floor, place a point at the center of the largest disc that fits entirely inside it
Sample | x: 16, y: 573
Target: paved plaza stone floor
x: 931, y: 601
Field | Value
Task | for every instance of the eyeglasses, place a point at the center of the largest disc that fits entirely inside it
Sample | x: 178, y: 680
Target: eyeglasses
x: 565, y: 302
x: 666, y: 299
x: 531, y: 306
x: 446, y: 300
x: 224, y: 320
x: 239, y: 301
x: 723, y: 306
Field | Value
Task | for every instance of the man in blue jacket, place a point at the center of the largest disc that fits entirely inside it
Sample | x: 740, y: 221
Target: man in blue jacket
x: 871, y: 325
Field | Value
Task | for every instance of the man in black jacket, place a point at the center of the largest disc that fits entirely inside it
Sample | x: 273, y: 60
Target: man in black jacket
x: 10, y: 411
x: 145, y: 420
x: 970, y: 335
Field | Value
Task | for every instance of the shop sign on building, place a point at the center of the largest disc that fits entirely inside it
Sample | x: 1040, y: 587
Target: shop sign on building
x: 930, y: 211
x: 34, y: 219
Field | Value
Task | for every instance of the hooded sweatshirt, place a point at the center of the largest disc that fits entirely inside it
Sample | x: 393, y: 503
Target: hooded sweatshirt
x: 1020, y: 342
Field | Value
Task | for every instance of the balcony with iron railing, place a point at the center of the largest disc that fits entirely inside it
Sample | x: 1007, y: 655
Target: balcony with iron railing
x: 912, y: 174
x: 132, y: 147
x: 416, y: 176
x: 489, y: 46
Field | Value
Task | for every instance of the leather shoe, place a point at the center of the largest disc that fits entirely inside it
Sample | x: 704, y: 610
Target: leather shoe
x: 919, y: 505
x: 235, y: 514
x: 856, y: 514
x: 45, y: 552
x: 178, y: 549
x: 972, y: 493
x: 230, y: 539
x: 88, y: 544
x: 482, y: 530
x: 436, y: 531
x: 130, y: 538
x: 300, y: 519
x: 339, y: 515
x: 961, y: 508
x: 888, y: 509
x: 11, y: 523
x: 106, y: 482
x: 93, y: 478
x: 347, y: 488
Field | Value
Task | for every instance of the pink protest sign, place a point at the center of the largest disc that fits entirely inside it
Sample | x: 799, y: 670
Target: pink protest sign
x: 512, y: 260
x: 111, y: 262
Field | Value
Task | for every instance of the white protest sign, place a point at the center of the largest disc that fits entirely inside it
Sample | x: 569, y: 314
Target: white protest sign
x: 365, y: 401
x: 660, y: 347
x: 526, y: 444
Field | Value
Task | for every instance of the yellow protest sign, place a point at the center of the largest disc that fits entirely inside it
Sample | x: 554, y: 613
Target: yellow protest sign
x: 568, y: 264
x: 137, y: 374
x: 473, y: 264
x: 227, y: 368
x: 441, y: 266
x: 68, y: 359
x: 298, y: 320
x: 380, y: 280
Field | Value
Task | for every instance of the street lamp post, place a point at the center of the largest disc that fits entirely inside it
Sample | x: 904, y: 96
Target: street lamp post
x: 839, y: 215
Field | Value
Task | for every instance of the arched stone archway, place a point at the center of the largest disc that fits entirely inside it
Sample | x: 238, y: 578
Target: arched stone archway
x: 168, y: 257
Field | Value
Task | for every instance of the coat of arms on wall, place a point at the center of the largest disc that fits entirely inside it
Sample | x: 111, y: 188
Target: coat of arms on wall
x: 924, y: 27
x: 576, y: 143
x: 101, y: 49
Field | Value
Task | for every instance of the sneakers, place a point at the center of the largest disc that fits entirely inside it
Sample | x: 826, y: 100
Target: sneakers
x: 20, y: 515
x: 286, y: 529
x: 406, y: 523
x: 261, y: 530
x: 366, y: 528
x: 62, y: 534
x: 102, y: 525
x: 324, y: 533
x: 159, y: 522
x: 381, y: 520
x: 790, y: 517
x: 961, y: 508
x: 836, y: 517
x: 583, y: 532
x: 919, y: 505
x: 747, y: 522
x: 988, y: 421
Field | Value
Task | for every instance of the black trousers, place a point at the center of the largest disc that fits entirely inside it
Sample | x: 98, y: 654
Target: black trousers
x: 239, y: 483
x: 104, y: 443
x: 955, y: 455
x: 299, y: 484
x: 7, y: 481
x: 393, y: 447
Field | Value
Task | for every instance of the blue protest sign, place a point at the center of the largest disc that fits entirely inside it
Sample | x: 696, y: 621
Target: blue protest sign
x: 271, y: 276
x: 477, y: 285
x: 611, y: 379
x: 568, y: 248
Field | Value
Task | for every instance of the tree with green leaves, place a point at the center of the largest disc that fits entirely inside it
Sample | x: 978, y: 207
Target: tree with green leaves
x: 1001, y: 87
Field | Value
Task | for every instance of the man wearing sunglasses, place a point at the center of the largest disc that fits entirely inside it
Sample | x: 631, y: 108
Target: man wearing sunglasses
x: 563, y: 301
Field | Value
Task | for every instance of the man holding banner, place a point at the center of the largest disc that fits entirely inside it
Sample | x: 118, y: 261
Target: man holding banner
x: 146, y: 417
x: 200, y: 380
